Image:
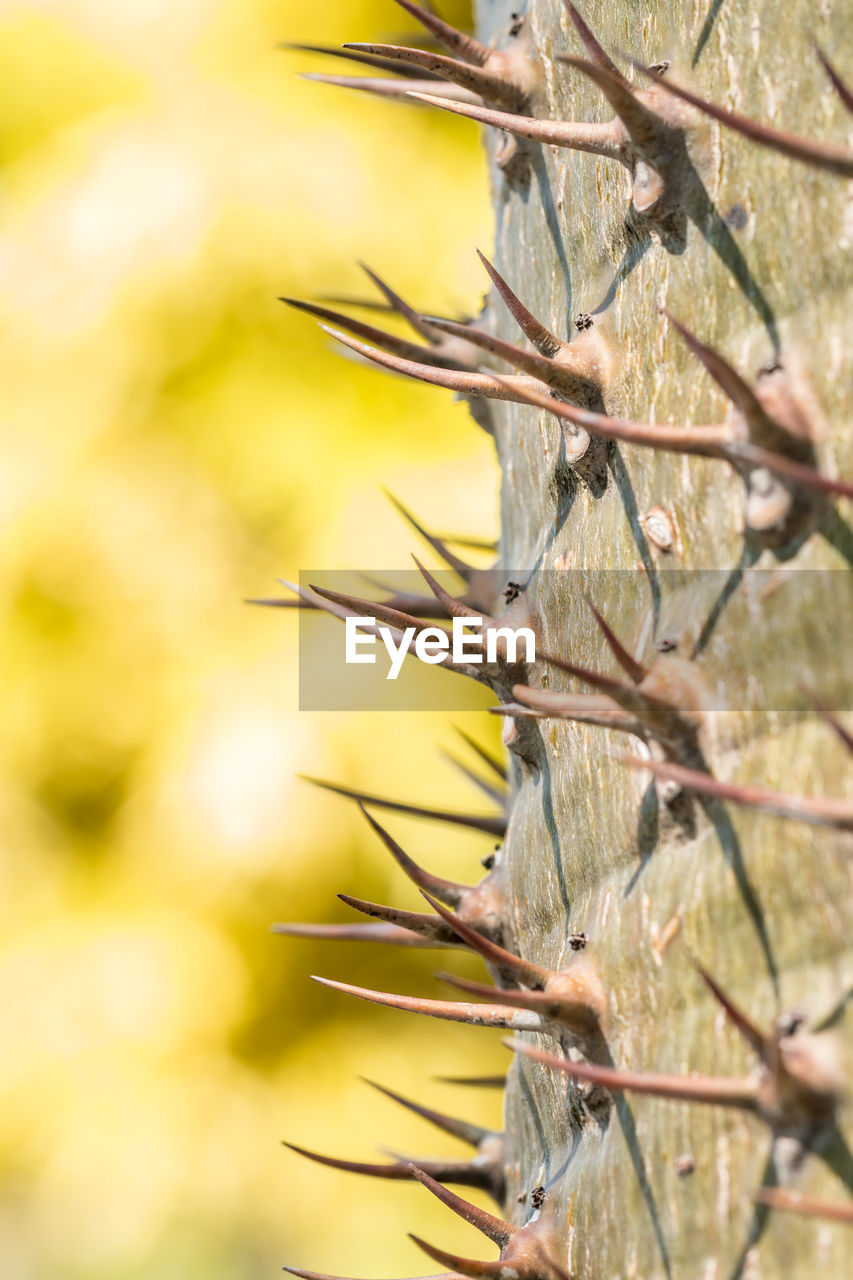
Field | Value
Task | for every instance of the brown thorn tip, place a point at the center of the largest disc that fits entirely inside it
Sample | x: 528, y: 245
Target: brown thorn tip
x: 594, y: 50
x: 750, y: 1032
x: 533, y: 329
x: 473, y: 1134
x: 837, y: 83
x: 449, y: 891
x: 629, y: 664
x: 831, y: 719
x: 727, y: 377
x: 494, y: 1228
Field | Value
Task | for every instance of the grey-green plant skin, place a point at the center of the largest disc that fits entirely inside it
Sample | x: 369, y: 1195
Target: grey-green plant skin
x: 762, y: 902
x: 706, y: 922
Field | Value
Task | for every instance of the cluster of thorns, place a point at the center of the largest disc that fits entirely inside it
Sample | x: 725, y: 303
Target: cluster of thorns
x: 768, y: 439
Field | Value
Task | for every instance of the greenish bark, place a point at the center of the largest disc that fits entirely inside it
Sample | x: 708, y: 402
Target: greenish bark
x: 762, y: 902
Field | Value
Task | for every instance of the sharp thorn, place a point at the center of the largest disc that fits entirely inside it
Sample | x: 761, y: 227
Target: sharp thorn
x: 398, y: 1170
x: 449, y: 891
x: 599, y: 139
x: 399, y: 304
x: 492, y: 826
x: 823, y: 155
x: 495, y: 1229
x: 703, y: 441
x: 496, y: 765
x: 837, y: 83
x: 715, y: 1090
x: 817, y: 812
x: 467, y: 75
x: 543, y: 340
x: 738, y: 391
x: 474, y: 1082
x: 417, y: 922
x: 467, y: 1267
x: 643, y: 124
x: 460, y: 381
x: 569, y: 376
x: 787, y: 468
x: 585, y: 708
x: 629, y: 664
x: 364, y: 59
x: 398, y: 89
x: 595, y: 678
x: 754, y: 1037
x: 831, y: 719
x: 552, y: 1008
x: 464, y: 46
x: 523, y: 971
x: 453, y: 607
x: 464, y: 1172
x: 515, y: 711
x: 446, y: 1010
x: 595, y: 53
x: 389, y: 934
x: 496, y: 794
x: 376, y: 609
x: 473, y: 1134
x: 438, y: 544
x: 385, y: 341
x: 322, y: 1275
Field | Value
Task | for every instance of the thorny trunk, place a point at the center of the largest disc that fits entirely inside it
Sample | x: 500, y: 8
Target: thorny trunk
x: 708, y: 922
x: 763, y: 903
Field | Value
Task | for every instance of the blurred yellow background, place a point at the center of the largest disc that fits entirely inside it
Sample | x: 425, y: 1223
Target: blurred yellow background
x: 173, y: 439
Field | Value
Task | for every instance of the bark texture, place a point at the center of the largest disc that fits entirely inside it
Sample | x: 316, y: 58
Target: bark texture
x: 762, y: 266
